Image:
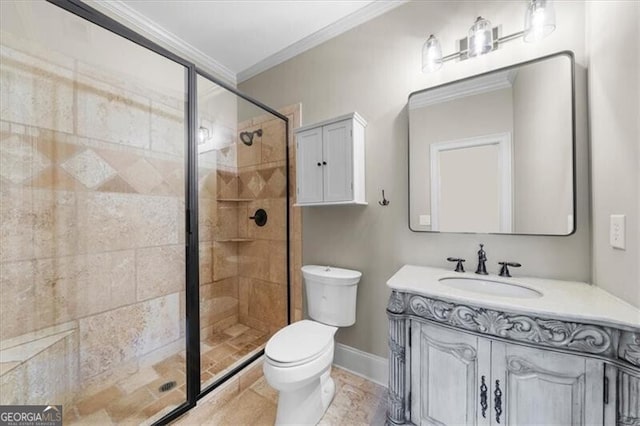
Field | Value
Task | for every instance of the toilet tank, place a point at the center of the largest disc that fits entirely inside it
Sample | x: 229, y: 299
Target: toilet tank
x: 331, y: 294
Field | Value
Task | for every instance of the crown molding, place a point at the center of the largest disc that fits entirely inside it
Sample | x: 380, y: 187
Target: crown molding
x: 475, y: 86
x: 366, y: 13
x: 133, y: 19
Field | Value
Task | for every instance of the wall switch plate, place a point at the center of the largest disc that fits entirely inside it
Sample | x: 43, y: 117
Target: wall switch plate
x: 617, y: 231
x: 425, y: 220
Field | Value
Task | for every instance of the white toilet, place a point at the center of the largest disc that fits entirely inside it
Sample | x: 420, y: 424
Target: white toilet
x: 299, y: 357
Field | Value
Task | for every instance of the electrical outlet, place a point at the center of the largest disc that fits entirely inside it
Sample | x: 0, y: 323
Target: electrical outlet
x: 617, y: 231
x: 425, y: 220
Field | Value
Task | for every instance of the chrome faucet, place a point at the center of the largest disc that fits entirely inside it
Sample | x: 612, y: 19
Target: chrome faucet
x: 482, y: 260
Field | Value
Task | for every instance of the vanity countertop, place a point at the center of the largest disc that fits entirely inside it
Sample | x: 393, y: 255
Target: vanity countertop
x: 574, y: 301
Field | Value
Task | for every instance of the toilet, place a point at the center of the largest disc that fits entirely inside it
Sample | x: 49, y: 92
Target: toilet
x: 298, y: 358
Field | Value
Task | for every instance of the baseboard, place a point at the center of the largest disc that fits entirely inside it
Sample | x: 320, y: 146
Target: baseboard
x: 369, y: 366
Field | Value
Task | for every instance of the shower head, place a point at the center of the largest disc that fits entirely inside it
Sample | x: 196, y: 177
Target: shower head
x: 247, y: 137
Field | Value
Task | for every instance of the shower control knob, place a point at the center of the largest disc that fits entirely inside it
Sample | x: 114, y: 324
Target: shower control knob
x: 260, y: 217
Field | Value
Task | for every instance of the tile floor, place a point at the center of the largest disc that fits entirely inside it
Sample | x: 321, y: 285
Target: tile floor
x: 223, y: 350
x: 357, y: 402
x: 138, y: 400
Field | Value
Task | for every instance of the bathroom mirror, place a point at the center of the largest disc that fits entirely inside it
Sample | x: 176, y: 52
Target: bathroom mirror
x: 494, y: 153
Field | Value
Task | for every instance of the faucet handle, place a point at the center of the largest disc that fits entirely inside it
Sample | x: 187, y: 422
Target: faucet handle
x: 459, y: 266
x: 504, y: 271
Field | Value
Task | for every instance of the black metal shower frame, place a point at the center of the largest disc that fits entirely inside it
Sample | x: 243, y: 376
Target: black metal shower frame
x: 192, y: 332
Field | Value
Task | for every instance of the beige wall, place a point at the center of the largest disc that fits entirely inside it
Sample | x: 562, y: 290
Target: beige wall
x: 613, y: 37
x: 372, y: 69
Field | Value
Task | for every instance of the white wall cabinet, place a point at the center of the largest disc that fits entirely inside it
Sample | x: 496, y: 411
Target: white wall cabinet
x: 330, y: 162
x: 461, y: 379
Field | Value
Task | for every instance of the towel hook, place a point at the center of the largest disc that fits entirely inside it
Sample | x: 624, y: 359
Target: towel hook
x: 384, y: 201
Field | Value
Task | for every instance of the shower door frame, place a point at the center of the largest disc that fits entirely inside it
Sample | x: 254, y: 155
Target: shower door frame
x: 192, y: 300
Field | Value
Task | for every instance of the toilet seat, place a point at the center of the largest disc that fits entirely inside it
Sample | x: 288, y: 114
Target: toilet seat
x: 299, y: 343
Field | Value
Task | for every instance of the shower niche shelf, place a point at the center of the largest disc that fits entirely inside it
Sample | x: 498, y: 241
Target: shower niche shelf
x: 235, y: 200
x: 235, y: 240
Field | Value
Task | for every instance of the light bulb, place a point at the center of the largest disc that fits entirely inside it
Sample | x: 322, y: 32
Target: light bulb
x: 539, y: 20
x: 431, y: 55
x: 480, y: 39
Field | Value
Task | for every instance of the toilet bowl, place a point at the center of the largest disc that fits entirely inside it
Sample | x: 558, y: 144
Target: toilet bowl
x: 297, y: 364
x: 298, y: 358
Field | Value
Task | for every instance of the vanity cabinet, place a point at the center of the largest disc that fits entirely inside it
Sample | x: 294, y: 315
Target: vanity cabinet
x: 330, y: 162
x: 462, y: 379
x: 570, y: 356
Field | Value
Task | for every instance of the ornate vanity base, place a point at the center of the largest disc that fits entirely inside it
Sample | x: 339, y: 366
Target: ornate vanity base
x: 501, y: 365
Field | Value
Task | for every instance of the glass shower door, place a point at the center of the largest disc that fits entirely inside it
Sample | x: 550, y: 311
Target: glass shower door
x: 92, y: 224
x: 242, y: 196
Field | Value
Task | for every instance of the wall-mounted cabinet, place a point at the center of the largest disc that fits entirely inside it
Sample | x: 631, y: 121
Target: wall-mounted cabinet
x: 330, y: 162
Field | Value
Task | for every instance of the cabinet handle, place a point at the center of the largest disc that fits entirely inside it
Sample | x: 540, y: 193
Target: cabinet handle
x: 319, y: 164
x: 483, y: 397
x: 324, y: 163
x: 497, y: 401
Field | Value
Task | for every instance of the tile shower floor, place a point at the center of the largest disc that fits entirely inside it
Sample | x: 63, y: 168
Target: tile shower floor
x: 138, y: 399
x: 357, y: 402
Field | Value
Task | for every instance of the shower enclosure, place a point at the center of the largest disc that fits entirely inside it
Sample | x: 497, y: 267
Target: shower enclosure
x: 144, y: 245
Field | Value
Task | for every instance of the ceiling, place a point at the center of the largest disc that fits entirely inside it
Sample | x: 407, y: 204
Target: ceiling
x: 240, y: 35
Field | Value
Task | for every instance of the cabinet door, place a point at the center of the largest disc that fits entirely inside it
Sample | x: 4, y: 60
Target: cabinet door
x: 445, y: 366
x: 537, y: 387
x: 309, y: 166
x: 337, y: 153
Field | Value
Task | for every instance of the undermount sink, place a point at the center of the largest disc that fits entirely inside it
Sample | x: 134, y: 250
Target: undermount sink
x: 494, y: 288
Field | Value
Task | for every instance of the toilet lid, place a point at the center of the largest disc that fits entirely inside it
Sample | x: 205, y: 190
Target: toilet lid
x: 299, y: 341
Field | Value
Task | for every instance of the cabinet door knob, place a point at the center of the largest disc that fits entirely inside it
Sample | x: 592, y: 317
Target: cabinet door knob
x: 324, y: 163
x: 319, y: 164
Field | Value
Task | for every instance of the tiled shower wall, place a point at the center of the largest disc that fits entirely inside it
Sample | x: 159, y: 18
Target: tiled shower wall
x: 91, y: 225
x: 263, y: 263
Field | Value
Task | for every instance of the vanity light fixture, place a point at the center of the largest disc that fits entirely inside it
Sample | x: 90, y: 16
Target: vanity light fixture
x: 539, y: 22
x: 431, y: 55
x: 480, y: 39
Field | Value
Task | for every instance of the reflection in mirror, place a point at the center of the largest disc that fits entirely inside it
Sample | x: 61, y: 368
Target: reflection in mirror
x: 494, y: 153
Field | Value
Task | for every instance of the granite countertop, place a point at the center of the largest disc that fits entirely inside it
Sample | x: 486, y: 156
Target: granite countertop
x: 566, y: 300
